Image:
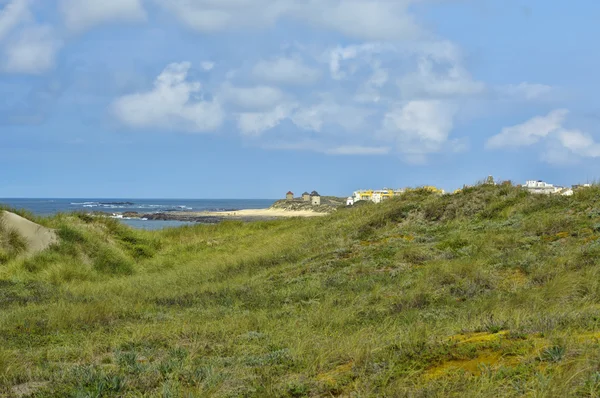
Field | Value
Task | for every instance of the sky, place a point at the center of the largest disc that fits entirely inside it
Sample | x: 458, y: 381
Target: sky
x: 252, y: 98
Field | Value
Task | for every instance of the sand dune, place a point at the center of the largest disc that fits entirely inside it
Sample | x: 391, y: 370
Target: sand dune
x: 38, y: 237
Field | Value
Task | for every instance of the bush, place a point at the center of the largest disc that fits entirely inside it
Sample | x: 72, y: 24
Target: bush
x: 111, y: 261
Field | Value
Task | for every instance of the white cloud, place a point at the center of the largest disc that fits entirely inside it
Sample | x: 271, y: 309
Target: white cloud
x: 327, y: 148
x: 434, y: 79
x: 341, y: 122
x: 556, y: 154
x: 361, y: 19
x: 171, y: 104
x: 358, y: 150
x: 12, y: 15
x: 307, y: 117
x: 219, y: 15
x: 252, y: 98
x: 419, y: 127
x: 379, y: 77
x: 255, y: 123
x: 439, y: 51
x: 567, y: 147
x: 32, y: 51
x: 438, y: 71
x: 369, y: 92
x: 27, y: 47
x: 528, y: 91
x: 579, y: 143
x: 301, y: 145
x: 207, y: 65
x: 329, y: 112
x: 364, y: 19
x: 285, y: 70
x: 339, y: 55
x: 84, y: 14
x: 386, y: 95
x: 563, y: 146
x: 529, y: 132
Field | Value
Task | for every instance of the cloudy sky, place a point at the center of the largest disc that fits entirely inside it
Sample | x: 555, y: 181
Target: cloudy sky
x: 251, y: 98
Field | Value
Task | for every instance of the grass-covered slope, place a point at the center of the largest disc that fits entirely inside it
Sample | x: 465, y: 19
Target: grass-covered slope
x: 490, y: 292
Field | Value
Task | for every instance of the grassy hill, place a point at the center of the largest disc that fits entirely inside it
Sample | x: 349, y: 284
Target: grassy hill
x: 328, y: 204
x: 489, y: 292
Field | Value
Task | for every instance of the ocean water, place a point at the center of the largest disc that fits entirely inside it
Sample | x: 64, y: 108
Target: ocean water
x: 47, y: 207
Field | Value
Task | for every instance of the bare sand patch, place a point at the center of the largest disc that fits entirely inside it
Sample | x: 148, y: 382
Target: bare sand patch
x: 26, y: 389
x: 38, y: 237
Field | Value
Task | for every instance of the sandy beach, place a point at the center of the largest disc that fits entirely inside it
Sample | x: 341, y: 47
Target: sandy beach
x: 216, y: 216
x: 249, y: 213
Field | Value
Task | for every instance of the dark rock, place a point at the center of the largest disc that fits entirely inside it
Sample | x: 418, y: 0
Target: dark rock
x: 131, y: 214
x: 182, y: 217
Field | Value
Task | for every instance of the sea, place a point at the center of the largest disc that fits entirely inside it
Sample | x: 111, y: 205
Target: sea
x: 48, y: 207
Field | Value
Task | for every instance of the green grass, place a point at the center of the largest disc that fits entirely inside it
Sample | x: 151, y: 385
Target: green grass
x: 489, y: 292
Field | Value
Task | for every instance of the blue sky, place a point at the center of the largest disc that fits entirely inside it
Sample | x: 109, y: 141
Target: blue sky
x: 252, y: 98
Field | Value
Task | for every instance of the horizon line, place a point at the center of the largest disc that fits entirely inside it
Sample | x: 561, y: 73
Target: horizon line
x: 125, y: 198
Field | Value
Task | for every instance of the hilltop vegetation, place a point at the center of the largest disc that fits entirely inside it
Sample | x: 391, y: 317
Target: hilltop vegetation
x: 489, y: 292
x: 328, y: 204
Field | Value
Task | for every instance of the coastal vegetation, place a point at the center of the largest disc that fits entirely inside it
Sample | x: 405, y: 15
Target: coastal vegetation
x: 488, y: 292
x: 327, y: 204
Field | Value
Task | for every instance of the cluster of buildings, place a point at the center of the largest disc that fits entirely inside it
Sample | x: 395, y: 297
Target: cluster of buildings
x: 378, y: 196
x: 314, y: 198
x: 375, y: 196
x: 538, y: 187
x: 533, y: 186
x: 541, y: 187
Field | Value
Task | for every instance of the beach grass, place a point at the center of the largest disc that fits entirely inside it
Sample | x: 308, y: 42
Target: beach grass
x: 488, y: 292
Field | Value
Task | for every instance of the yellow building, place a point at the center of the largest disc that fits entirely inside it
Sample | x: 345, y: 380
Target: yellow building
x: 375, y: 196
x: 363, y: 195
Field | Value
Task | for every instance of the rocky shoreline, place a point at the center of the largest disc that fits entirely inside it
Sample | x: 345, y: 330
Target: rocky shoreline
x: 183, y: 216
x: 193, y: 217
x: 213, y: 217
x: 279, y: 209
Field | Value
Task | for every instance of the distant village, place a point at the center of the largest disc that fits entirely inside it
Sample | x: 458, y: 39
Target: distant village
x: 380, y: 195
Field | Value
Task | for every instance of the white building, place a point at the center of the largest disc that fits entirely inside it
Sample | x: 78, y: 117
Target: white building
x: 541, y: 187
x: 349, y: 201
x: 578, y: 186
x: 382, y: 194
